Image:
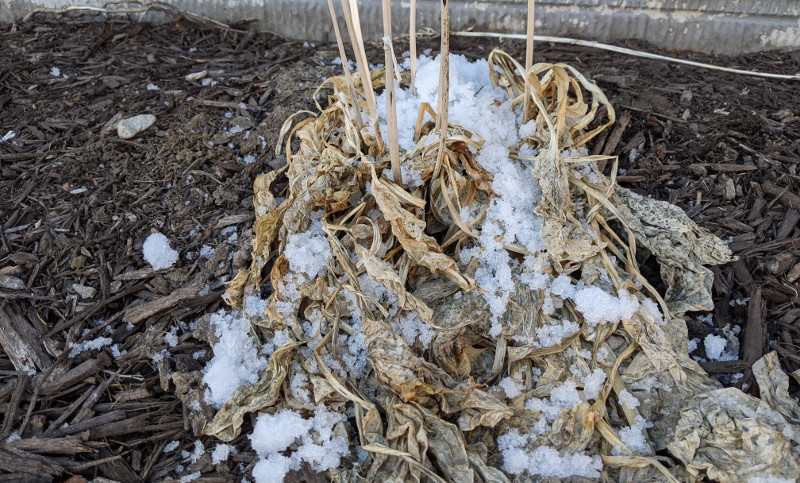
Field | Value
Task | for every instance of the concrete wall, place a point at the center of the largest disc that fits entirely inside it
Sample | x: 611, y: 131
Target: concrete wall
x: 717, y: 26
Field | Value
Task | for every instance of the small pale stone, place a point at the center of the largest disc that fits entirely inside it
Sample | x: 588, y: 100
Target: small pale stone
x: 11, y: 282
x: 84, y: 291
x: 128, y: 128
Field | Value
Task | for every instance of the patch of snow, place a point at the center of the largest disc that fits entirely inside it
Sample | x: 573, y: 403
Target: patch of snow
x: 158, y: 253
x: 236, y: 360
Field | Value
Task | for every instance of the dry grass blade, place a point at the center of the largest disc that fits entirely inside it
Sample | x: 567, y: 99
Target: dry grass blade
x: 444, y: 85
x: 346, y: 66
x: 391, y: 109
x: 526, y: 109
x: 354, y: 28
x: 412, y: 39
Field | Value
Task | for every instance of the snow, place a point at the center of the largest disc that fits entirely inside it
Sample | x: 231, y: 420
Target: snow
x: 768, y: 478
x: 544, y: 461
x: 564, y: 396
x: 153, y: 87
x: 553, y: 333
x: 593, y: 384
x: 190, y: 477
x: 87, y: 345
x: 171, y: 338
x: 8, y: 136
x: 600, y: 307
x: 236, y: 360
x: 628, y: 400
x: 308, y: 252
x: 55, y: 72
x: 158, y: 253
x: 318, y: 446
x: 206, y: 251
x: 652, y: 308
x: 715, y: 348
x: 511, y: 387
x: 197, y: 453
x: 634, y: 438
x: 412, y: 328
x: 254, y: 306
x: 221, y: 453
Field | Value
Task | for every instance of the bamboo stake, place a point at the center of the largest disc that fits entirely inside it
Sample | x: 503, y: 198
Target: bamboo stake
x: 526, y: 104
x: 391, y: 108
x: 354, y: 28
x: 412, y: 35
x: 444, y: 86
x: 348, y: 76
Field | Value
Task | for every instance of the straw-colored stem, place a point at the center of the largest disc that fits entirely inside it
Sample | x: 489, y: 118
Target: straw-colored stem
x: 444, y: 86
x: 354, y: 28
x: 623, y: 50
x: 526, y: 104
x: 412, y: 36
x: 348, y: 76
x: 391, y: 109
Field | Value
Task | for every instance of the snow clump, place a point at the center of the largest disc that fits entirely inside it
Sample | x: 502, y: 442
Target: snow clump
x: 158, y: 253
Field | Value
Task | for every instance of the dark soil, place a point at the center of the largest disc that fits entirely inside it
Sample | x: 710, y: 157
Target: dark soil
x: 77, y: 202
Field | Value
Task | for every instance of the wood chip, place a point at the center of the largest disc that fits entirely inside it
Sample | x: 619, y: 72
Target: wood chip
x: 137, y: 314
x: 64, y: 446
x: 21, y: 342
x: 82, y: 371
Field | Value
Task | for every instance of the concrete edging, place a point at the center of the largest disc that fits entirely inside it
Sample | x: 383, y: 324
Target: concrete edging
x: 727, y: 27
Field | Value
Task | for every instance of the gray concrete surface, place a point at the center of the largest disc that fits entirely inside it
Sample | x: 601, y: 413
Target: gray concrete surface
x: 715, y: 26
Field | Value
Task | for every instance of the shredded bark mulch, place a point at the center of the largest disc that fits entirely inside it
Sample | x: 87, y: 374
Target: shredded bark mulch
x: 77, y: 203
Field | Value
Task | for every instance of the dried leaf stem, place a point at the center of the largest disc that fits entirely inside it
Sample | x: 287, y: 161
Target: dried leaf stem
x: 444, y: 86
x: 526, y: 106
x: 346, y: 67
x: 391, y: 108
x: 623, y: 50
x: 350, y: 8
x: 412, y: 39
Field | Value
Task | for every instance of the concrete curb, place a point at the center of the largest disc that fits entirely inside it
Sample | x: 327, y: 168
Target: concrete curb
x: 714, y: 26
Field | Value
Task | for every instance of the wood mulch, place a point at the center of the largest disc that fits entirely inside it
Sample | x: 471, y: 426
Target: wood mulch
x: 77, y: 202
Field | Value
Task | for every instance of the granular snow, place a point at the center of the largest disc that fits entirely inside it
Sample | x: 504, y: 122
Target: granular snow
x: 93, y: 344
x: 511, y: 387
x: 158, y: 253
x: 634, y: 438
x: 308, y: 252
x: 236, y: 360
x: 544, y: 461
x: 319, y: 447
x: 628, y: 400
x: 221, y: 453
x: 600, y: 307
x: 715, y: 349
x: 593, y: 384
x: 206, y: 251
x: 190, y: 477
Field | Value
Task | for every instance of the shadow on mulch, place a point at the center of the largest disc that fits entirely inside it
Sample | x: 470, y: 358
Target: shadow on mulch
x: 78, y: 202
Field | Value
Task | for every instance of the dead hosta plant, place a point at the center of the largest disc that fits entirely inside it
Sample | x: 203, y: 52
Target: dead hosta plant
x: 434, y: 412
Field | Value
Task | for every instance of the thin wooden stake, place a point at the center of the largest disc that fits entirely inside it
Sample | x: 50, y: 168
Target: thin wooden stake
x: 444, y: 87
x: 348, y: 76
x: 412, y: 36
x: 354, y: 28
x: 391, y: 109
x: 526, y: 104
